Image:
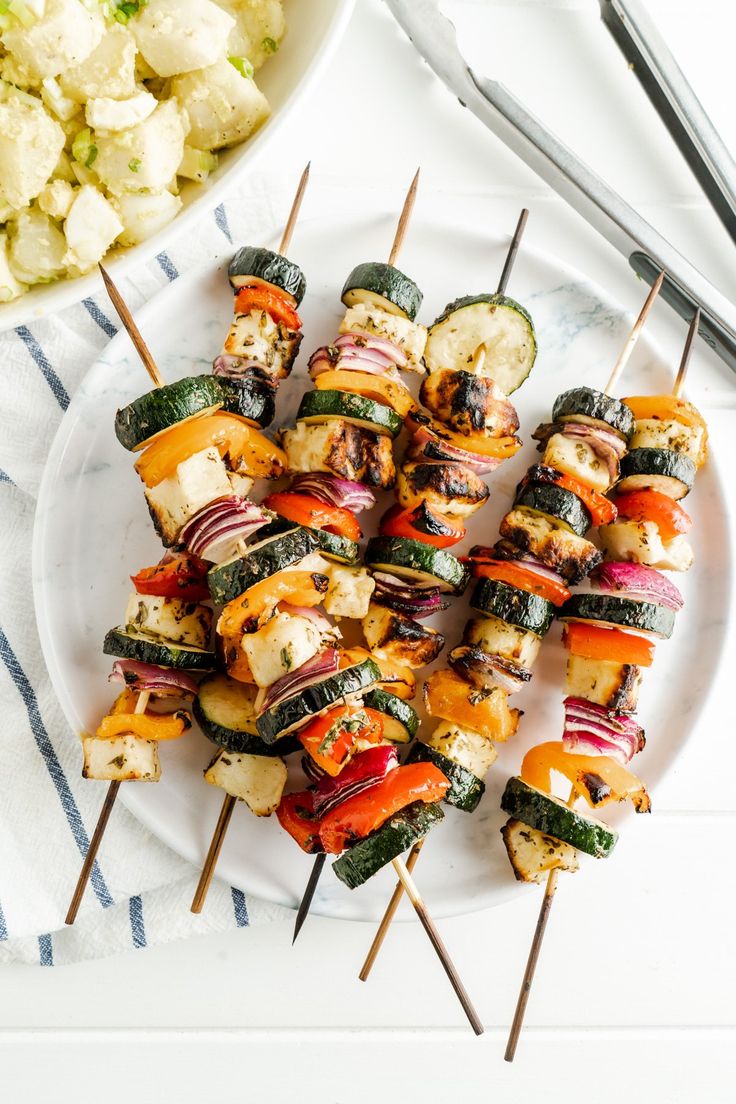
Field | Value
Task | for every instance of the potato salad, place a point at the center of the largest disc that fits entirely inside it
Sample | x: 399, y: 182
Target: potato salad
x: 106, y: 108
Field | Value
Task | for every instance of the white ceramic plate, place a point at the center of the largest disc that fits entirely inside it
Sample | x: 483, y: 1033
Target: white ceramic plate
x: 314, y: 30
x: 93, y: 530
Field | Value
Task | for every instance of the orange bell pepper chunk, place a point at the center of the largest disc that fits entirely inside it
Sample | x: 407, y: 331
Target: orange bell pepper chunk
x: 148, y: 726
x: 667, y: 408
x: 616, y: 645
x: 448, y: 696
x: 599, y: 779
x: 255, y: 605
x: 379, y: 388
x: 516, y: 575
x: 395, y: 679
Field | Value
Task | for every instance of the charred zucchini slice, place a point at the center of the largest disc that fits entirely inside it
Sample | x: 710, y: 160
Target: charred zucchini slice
x: 251, y: 398
x: 294, y: 712
x: 269, y: 267
x: 230, y: 579
x: 557, y: 503
x: 381, y: 285
x: 465, y: 790
x: 662, y: 470
x: 138, y: 423
x: 512, y: 605
x: 320, y: 406
x: 417, y: 562
x: 400, y: 720
x: 585, y: 404
x: 553, y: 817
x: 625, y: 613
x: 366, y: 857
x: 225, y: 711
x: 149, y: 649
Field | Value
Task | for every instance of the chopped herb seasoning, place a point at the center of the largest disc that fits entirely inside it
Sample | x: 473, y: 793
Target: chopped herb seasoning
x: 134, y: 164
x: 269, y: 45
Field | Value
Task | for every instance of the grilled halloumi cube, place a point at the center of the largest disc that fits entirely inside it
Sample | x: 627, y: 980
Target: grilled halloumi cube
x: 575, y: 457
x: 198, y: 480
x: 394, y: 636
x: 469, y: 749
x: 661, y: 434
x: 533, y: 854
x: 122, y: 759
x: 258, y: 780
x: 170, y: 619
x: 453, y: 489
x: 566, y: 553
x: 283, y: 644
x: 640, y: 542
x: 467, y: 403
x: 349, y: 592
x: 240, y: 484
x: 256, y: 336
x: 604, y: 682
x: 409, y: 336
x: 341, y: 448
x: 497, y: 637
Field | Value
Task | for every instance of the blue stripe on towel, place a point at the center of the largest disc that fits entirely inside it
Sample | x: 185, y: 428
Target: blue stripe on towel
x: 3, y: 925
x: 5, y: 478
x: 101, y: 319
x: 59, y: 779
x: 239, y: 907
x: 167, y: 266
x: 43, y: 363
x: 222, y: 223
x: 135, y: 908
x: 45, y: 950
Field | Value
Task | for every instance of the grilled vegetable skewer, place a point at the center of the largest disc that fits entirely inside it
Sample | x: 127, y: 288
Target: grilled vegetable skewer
x: 667, y: 591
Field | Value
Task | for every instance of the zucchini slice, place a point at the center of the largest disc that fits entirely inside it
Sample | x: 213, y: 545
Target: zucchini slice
x: 225, y: 711
x: 269, y: 267
x: 584, y: 404
x: 410, y: 559
x: 319, y: 406
x: 138, y: 423
x: 302, y: 708
x: 366, y: 857
x: 230, y: 579
x: 499, y: 323
x: 381, y: 285
x: 465, y: 789
x: 625, y: 613
x: 331, y: 545
x: 658, y: 470
x: 400, y: 720
x: 553, y: 817
x: 148, y: 649
x: 251, y: 398
x: 529, y: 612
x: 557, y: 503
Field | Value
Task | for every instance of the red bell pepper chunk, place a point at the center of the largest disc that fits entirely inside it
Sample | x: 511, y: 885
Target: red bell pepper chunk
x: 329, y: 744
x: 178, y: 575
x: 357, y: 817
x: 422, y: 524
x: 261, y: 298
x: 307, y: 510
x: 667, y: 515
x: 295, y: 814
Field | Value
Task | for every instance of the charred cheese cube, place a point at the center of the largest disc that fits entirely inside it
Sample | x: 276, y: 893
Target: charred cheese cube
x: 394, y: 636
x: 282, y: 645
x: 170, y: 619
x: 497, y: 637
x: 575, y: 457
x: 409, y: 336
x: 349, y: 592
x: 640, y: 542
x: 122, y: 759
x: 604, y: 682
x: 566, y: 553
x: 199, y: 479
x: 468, y: 749
x: 533, y: 854
x: 341, y: 448
x: 258, y: 780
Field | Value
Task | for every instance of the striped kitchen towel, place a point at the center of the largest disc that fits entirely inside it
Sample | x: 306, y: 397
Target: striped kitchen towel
x: 140, y: 891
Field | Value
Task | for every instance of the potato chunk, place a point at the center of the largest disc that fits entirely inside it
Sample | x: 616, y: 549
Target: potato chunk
x: 65, y: 36
x: 30, y: 144
x: 146, y: 156
x: 224, y: 107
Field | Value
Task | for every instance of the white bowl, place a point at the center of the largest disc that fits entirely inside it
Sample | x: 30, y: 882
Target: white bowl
x: 314, y: 30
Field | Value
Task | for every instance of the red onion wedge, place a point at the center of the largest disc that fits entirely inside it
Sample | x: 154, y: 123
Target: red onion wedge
x: 369, y: 342
x: 593, y: 730
x: 484, y: 671
x: 333, y: 491
x: 641, y: 583
x: 428, y: 445
x: 235, y: 367
x: 288, y: 686
x: 161, y: 681
x: 364, y: 771
x: 216, y: 530
x: 318, y: 619
x: 417, y: 599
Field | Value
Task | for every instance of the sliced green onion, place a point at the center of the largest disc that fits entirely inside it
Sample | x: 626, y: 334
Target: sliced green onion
x: 269, y: 45
x: 243, y: 66
x: 83, y: 148
x: 134, y: 164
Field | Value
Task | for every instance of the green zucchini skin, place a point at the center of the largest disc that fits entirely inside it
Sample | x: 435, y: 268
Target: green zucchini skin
x: 589, y: 403
x: 146, y: 649
x: 401, y: 555
x: 660, y: 469
x: 366, y: 857
x: 518, y: 607
x: 550, y: 815
x: 318, y: 406
x: 241, y: 743
x: 232, y: 578
x: 388, y: 282
x: 396, y: 709
x: 512, y: 377
x: 331, y: 545
x: 266, y: 265
x: 164, y: 407
x: 466, y: 789
x: 251, y: 398
x: 625, y: 613
x: 299, y: 710
x: 557, y: 503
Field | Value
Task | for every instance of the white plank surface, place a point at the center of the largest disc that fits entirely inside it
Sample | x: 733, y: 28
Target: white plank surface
x: 634, y: 995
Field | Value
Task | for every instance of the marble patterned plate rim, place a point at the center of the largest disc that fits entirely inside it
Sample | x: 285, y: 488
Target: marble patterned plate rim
x: 156, y: 821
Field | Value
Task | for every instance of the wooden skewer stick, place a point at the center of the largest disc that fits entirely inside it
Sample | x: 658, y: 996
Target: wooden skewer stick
x: 686, y: 353
x: 551, y: 886
x: 412, y: 892
x: 389, y: 914
x: 94, y: 843
x: 306, y: 902
x: 213, y: 853
x: 478, y: 360
x: 404, y: 217
x: 133, y: 332
x: 294, y: 212
x: 631, y: 340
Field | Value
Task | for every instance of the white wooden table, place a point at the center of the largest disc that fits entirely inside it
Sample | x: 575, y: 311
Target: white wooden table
x: 634, y: 997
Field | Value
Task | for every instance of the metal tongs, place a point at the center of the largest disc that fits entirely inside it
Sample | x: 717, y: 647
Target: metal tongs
x: 648, y: 253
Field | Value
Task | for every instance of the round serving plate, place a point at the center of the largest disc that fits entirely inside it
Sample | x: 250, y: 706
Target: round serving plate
x: 314, y: 31
x: 93, y: 530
